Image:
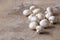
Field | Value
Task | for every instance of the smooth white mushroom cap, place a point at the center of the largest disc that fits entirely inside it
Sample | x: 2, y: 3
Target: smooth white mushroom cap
x: 34, y: 18
x: 33, y: 25
x: 32, y: 7
x: 48, y: 15
x: 35, y: 11
x: 30, y: 16
x: 49, y: 9
x: 46, y: 12
x: 44, y: 23
x: 40, y: 16
x: 26, y: 12
x: 52, y: 19
x: 39, y: 29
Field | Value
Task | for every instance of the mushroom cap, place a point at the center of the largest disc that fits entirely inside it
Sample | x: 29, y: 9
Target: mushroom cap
x: 39, y: 29
x: 48, y: 12
x: 26, y: 12
x: 52, y: 18
x: 34, y: 18
x: 32, y: 7
x: 30, y: 16
x: 49, y: 9
x: 44, y: 23
x: 33, y: 25
x: 35, y: 11
x: 40, y: 16
x: 48, y: 15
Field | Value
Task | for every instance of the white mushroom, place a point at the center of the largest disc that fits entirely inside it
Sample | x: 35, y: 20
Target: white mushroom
x: 35, y: 11
x: 26, y: 12
x: 49, y: 10
x: 48, y: 15
x: 32, y: 7
x: 39, y: 29
x: 52, y: 19
x: 44, y: 23
x: 30, y: 16
x: 34, y: 18
x: 33, y: 25
x: 40, y: 16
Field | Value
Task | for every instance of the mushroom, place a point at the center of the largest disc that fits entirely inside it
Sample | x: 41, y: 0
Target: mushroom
x: 38, y: 10
x: 44, y: 23
x: 26, y: 12
x: 33, y: 25
x: 49, y: 10
x: 39, y: 29
x: 48, y: 15
x: 34, y: 18
x: 40, y: 16
x: 30, y: 16
x: 35, y: 11
x: 32, y: 7
x: 52, y: 19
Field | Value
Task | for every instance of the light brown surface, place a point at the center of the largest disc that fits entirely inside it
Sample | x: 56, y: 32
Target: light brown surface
x: 14, y: 26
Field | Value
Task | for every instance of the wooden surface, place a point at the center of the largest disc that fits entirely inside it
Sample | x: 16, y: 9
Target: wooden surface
x: 14, y: 26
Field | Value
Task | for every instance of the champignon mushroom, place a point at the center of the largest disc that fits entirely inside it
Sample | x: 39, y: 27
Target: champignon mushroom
x: 44, y: 23
x: 52, y: 19
x: 33, y: 25
x: 27, y: 12
x: 40, y: 16
x: 39, y: 29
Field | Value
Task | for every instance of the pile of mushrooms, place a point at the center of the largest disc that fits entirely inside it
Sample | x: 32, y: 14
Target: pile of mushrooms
x: 39, y: 18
